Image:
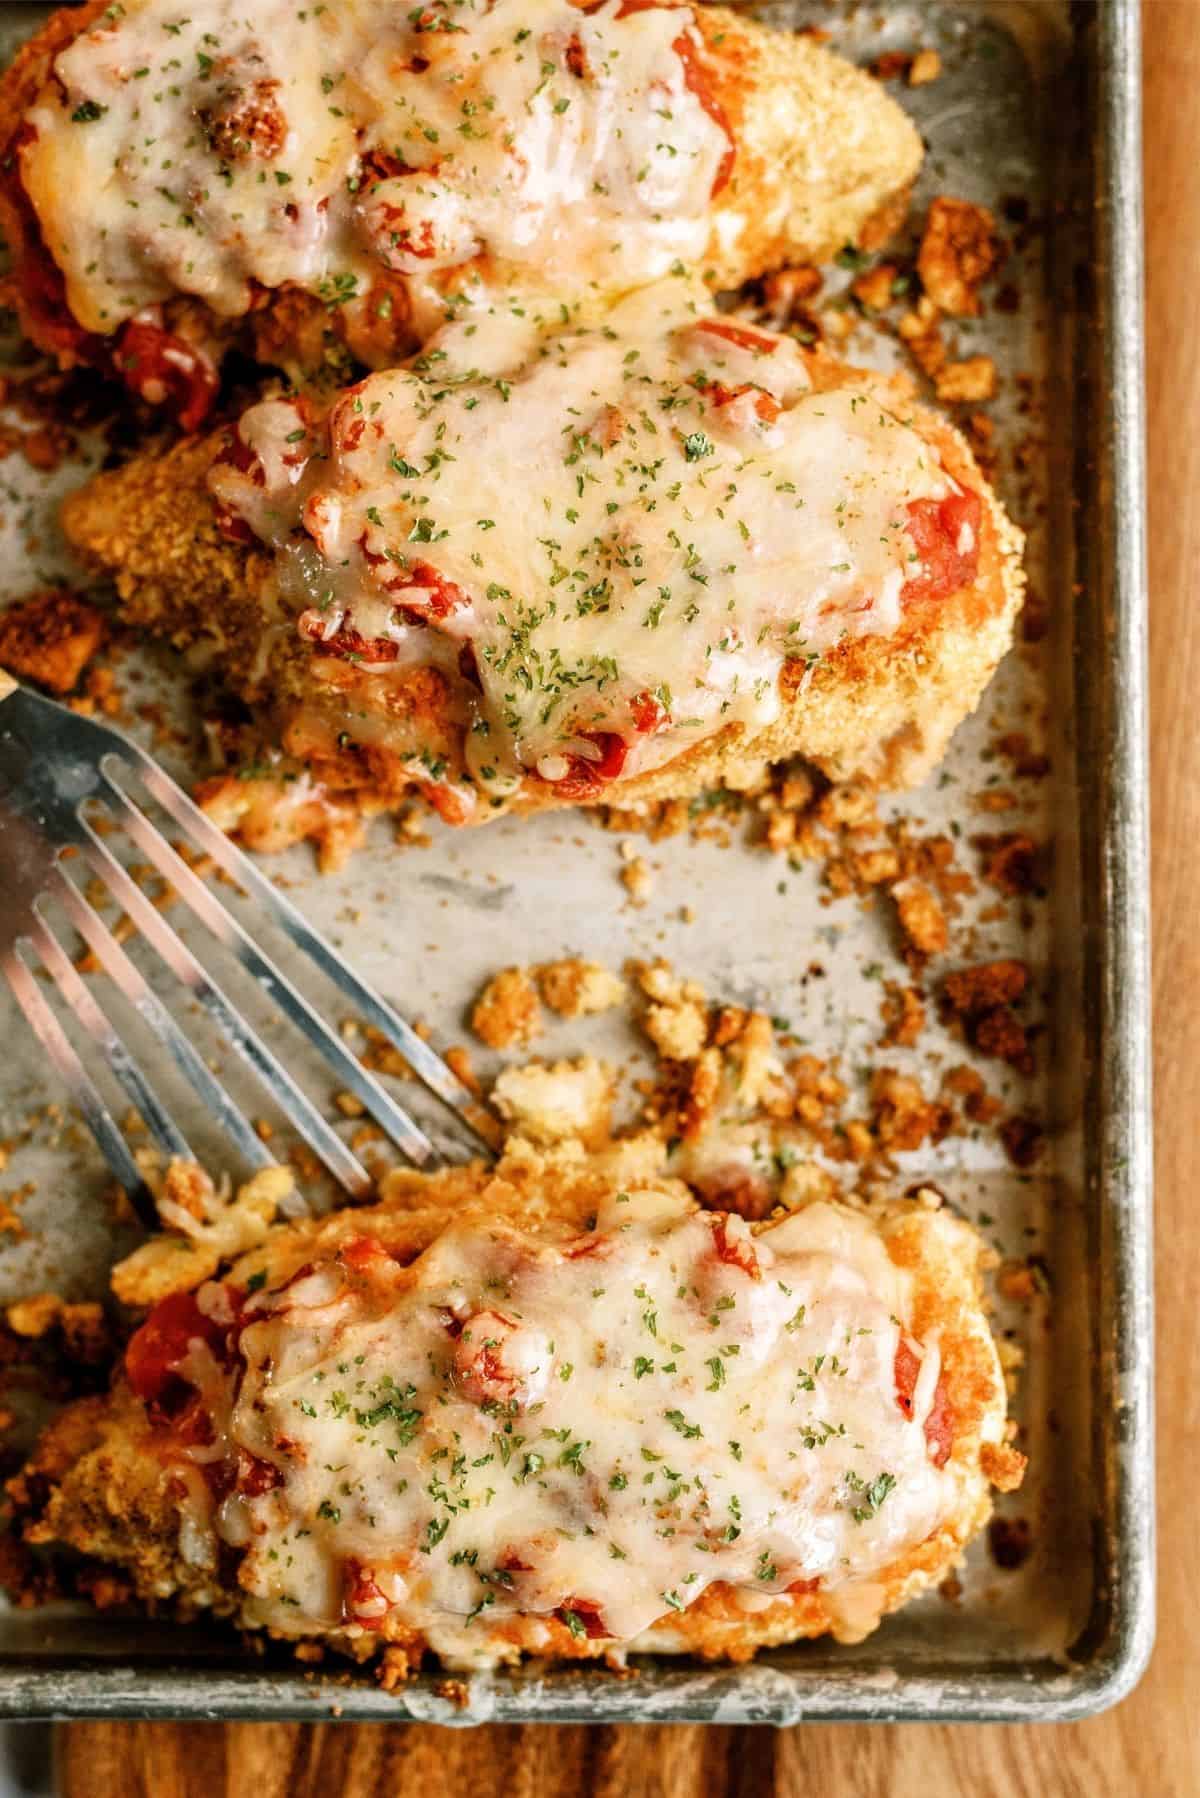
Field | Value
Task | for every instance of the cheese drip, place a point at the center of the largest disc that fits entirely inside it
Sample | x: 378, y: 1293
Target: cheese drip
x: 225, y: 148
x: 598, y: 1428
x: 609, y: 535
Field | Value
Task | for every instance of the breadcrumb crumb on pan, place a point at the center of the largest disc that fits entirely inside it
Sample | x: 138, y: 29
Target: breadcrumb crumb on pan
x: 562, y: 1101
x: 575, y: 988
x: 959, y: 250
x: 50, y: 639
x: 506, y: 1014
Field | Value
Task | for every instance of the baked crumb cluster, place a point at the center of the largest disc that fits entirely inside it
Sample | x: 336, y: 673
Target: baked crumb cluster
x: 747, y: 1116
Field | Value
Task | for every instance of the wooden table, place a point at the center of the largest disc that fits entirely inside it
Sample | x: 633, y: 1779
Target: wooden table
x: 1151, y: 1744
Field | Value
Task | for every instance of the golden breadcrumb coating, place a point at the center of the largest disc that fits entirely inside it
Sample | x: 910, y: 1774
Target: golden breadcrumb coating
x: 824, y: 157
x: 880, y: 708
x: 101, y: 1485
x: 822, y: 150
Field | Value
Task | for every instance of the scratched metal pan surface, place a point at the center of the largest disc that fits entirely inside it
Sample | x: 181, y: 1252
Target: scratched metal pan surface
x: 1035, y: 114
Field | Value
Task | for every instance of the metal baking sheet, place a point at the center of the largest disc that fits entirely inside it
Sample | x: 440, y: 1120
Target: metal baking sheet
x: 1037, y: 100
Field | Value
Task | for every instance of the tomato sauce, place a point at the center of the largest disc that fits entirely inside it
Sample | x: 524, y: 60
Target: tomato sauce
x: 939, y: 1424
x: 945, y: 533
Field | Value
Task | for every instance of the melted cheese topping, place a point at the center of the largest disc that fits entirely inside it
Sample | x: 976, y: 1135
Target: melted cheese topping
x: 598, y: 1429
x: 223, y: 147
x: 630, y: 524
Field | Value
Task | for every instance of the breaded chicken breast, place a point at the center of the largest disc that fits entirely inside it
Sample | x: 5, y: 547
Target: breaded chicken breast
x: 318, y: 178
x: 527, y: 1411
x: 617, y: 558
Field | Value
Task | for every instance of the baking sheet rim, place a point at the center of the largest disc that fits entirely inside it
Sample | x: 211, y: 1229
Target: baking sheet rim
x: 1120, y: 1163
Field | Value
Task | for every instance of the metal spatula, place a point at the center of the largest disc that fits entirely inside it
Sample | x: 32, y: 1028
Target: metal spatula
x: 53, y: 763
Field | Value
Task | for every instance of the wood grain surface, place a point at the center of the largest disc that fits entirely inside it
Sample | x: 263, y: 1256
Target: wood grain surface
x: 1151, y: 1744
